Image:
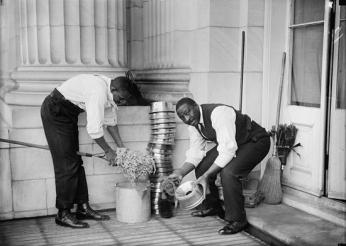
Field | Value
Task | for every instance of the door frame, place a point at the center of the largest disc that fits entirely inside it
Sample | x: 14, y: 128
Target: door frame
x: 334, y: 59
x: 270, y: 82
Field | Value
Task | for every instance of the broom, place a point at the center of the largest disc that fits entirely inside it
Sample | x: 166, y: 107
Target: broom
x: 270, y: 184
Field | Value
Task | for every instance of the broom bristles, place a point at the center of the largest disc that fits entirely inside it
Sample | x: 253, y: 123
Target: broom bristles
x: 270, y: 184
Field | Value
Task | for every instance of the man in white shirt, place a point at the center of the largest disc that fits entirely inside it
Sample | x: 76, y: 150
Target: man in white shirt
x: 240, y: 145
x: 98, y: 96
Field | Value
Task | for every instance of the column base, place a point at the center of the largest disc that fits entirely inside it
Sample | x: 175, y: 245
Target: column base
x: 164, y: 84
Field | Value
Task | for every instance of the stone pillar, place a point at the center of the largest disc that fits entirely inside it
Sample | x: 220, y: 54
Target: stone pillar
x: 43, y: 43
x: 7, y: 64
x: 5, y: 176
x: 216, y: 53
x: 160, y: 42
x: 162, y: 36
x: 58, y: 39
x: 252, y: 22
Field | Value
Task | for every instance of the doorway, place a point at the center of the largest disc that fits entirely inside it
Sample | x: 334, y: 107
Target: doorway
x: 335, y: 171
x: 315, y: 97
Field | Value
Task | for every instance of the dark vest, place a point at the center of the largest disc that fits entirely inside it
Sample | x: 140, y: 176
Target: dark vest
x: 246, y: 129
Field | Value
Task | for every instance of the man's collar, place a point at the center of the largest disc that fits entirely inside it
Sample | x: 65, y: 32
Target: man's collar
x: 109, y: 93
x: 201, y: 115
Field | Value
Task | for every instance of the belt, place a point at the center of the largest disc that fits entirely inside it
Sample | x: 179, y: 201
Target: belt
x: 61, y: 100
x: 259, y: 136
x: 257, y: 132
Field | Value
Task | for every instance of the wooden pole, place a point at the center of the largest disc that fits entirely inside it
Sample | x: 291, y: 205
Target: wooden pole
x: 37, y: 146
x: 242, y: 70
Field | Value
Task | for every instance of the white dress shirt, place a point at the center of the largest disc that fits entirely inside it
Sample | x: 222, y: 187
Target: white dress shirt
x: 223, y: 121
x: 91, y: 92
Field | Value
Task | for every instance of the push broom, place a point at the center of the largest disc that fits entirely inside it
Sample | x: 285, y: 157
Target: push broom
x: 270, y: 184
x: 37, y: 146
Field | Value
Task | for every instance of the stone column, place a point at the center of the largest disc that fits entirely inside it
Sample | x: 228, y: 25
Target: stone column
x: 43, y: 43
x: 7, y: 63
x: 216, y: 53
x: 61, y: 38
x: 160, y: 42
x: 252, y: 22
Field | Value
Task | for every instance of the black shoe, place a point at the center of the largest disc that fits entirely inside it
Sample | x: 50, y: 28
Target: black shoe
x: 233, y: 227
x: 84, y: 211
x: 209, y: 212
x: 65, y: 218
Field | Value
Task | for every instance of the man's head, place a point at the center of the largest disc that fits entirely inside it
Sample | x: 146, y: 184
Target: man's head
x: 120, y: 89
x: 188, y: 111
x: 125, y: 92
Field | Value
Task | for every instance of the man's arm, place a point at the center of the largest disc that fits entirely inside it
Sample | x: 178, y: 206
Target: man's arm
x: 114, y: 131
x: 203, y: 180
x: 110, y: 153
x: 194, y: 155
x: 183, y: 171
x: 103, y: 144
x: 223, y: 121
x: 213, y: 169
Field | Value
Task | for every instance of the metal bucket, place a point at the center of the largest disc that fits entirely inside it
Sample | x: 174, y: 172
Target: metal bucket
x: 190, y: 195
x: 132, y: 202
x: 161, y: 107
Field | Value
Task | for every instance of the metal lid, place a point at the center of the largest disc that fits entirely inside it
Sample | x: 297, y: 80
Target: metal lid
x: 161, y: 151
x: 160, y: 141
x: 161, y: 121
x: 163, y: 131
x: 161, y: 106
x: 159, y: 146
x: 163, y: 126
x: 162, y: 115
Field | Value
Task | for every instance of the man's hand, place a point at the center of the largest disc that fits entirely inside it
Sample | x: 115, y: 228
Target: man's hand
x: 110, y: 156
x: 175, y: 177
x: 203, y: 180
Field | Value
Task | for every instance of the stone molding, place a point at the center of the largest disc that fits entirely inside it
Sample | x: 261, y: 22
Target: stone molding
x: 164, y: 84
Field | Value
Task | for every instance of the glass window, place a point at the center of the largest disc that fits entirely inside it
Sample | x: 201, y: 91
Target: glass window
x: 308, y: 11
x: 341, y: 75
x: 307, y: 49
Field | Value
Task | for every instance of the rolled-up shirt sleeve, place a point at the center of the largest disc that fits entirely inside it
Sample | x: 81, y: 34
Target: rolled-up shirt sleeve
x: 223, y: 121
x: 110, y: 116
x: 196, y: 151
x: 94, y: 107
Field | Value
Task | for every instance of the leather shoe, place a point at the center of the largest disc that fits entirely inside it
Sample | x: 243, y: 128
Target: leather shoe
x: 84, y: 211
x: 65, y: 218
x: 233, y: 227
x: 209, y: 212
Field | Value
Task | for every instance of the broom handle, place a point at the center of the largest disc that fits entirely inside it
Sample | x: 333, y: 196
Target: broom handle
x: 242, y: 70
x: 283, y: 63
x: 39, y: 146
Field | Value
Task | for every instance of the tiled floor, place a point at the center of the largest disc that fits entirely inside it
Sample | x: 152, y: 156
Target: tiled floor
x: 182, y: 229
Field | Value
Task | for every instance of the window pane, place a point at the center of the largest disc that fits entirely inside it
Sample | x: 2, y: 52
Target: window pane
x: 308, y: 11
x: 341, y: 79
x: 342, y: 12
x: 306, y: 66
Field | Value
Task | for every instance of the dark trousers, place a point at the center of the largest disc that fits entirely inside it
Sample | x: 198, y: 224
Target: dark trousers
x: 59, y: 118
x: 247, y: 157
